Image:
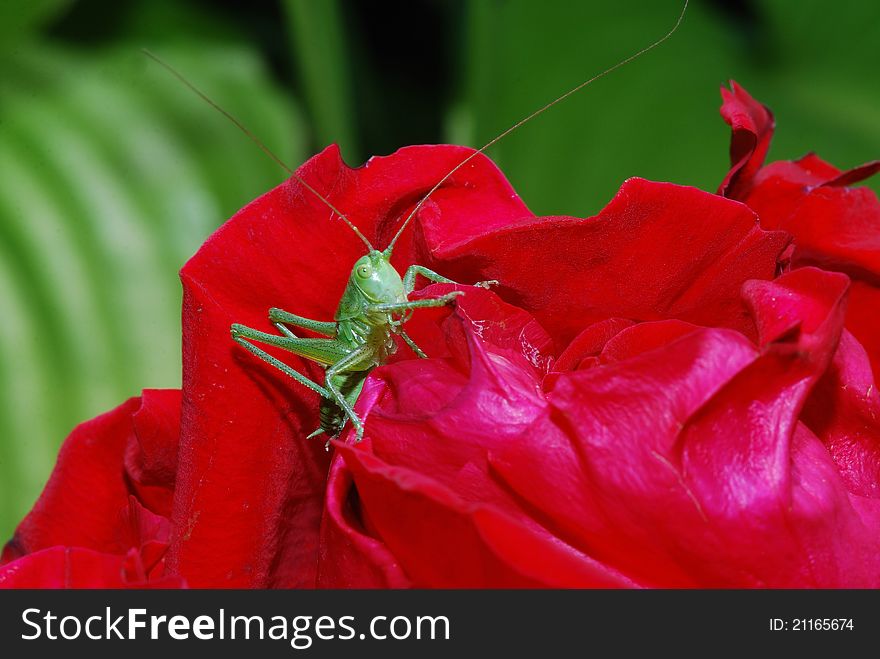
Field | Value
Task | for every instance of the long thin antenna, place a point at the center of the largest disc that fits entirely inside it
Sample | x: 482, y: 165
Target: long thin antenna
x: 198, y: 92
x: 534, y: 114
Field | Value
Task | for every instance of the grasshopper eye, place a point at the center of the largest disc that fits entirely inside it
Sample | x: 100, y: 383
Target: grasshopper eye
x: 363, y: 271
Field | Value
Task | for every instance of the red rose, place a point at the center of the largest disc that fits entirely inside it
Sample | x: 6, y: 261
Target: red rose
x: 103, y: 518
x: 643, y: 401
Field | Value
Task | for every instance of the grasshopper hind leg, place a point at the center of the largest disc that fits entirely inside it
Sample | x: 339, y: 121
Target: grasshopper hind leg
x: 281, y: 319
x: 342, y: 382
x: 280, y: 365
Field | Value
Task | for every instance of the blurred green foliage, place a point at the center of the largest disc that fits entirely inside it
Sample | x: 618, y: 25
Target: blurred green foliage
x: 814, y: 64
x: 113, y: 173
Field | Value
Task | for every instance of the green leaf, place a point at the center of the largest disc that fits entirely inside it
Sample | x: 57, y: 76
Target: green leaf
x: 321, y: 55
x: 18, y: 18
x: 658, y: 116
x: 113, y: 175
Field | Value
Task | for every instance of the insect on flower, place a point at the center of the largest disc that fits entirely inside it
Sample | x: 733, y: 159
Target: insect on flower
x: 375, y: 305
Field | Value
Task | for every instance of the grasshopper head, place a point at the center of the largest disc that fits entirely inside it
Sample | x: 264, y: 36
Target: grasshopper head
x: 377, y: 279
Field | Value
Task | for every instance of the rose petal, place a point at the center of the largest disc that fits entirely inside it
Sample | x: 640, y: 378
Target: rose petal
x: 349, y: 557
x: 508, y: 328
x: 635, y: 340
x: 863, y: 320
x: 440, y: 417
x: 844, y: 412
x: 759, y: 487
x: 855, y: 175
x: 656, y: 251
x: 723, y: 487
x: 75, y: 567
x: 443, y: 542
x: 589, y: 344
x: 148, y: 533
x: 752, y: 125
x: 834, y: 226
x: 151, y: 452
x: 486, y: 394
x: 81, y: 503
x: 623, y: 502
x: 431, y: 424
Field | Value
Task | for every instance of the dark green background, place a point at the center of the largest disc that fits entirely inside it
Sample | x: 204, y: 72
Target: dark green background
x: 113, y: 173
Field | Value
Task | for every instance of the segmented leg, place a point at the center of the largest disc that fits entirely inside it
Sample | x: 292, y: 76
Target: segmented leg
x: 281, y: 317
x: 323, y: 351
x: 355, y: 358
x: 412, y: 344
x: 400, y: 307
x: 280, y: 365
x: 350, y: 385
x: 409, y: 279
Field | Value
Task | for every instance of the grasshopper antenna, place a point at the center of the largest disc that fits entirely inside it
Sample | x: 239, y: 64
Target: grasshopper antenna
x: 527, y: 119
x: 198, y: 92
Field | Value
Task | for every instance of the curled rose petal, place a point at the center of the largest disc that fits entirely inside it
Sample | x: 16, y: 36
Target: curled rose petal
x: 151, y: 453
x: 349, y: 557
x: 148, y: 534
x: 835, y: 226
x: 656, y: 251
x: 585, y: 348
x: 725, y: 487
x: 624, y: 499
x: 844, y: 412
x: 87, y: 491
x: 90, y: 528
x: 635, y: 340
x: 752, y: 125
x: 443, y: 541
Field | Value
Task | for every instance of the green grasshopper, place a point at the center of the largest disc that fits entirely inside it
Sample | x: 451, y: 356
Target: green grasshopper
x: 374, y: 307
x: 375, y: 304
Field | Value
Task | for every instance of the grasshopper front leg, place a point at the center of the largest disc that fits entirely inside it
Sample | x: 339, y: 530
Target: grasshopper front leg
x: 407, y: 307
x: 403, y: 307
x: 409, y: 278
x: 412, y: 344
